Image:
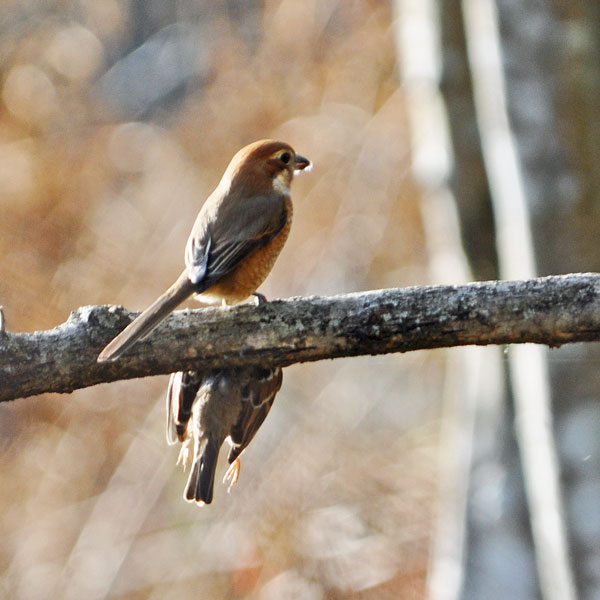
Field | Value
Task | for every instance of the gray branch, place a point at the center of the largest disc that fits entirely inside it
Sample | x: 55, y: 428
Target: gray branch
x: 550, y: 310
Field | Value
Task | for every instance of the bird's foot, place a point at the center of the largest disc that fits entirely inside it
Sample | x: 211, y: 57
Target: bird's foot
x: 259, y: 298
x: 233, y: 473
x: 184, y: 454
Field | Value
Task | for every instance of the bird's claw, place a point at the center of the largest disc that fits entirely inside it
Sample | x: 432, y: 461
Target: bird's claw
x: 233, y: 473
x: 259, y: 298
x: 184, y: 454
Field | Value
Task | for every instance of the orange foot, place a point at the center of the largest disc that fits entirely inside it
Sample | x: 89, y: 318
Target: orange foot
x: 184, y: 454
x: 233, y: 473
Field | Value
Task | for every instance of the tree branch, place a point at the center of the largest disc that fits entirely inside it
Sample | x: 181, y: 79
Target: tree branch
x: 550, y: 310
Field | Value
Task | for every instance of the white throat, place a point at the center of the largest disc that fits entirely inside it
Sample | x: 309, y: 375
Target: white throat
x: 279, y: 185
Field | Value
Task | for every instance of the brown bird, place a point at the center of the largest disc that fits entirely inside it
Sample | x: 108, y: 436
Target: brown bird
x: 206, y: 408
x: 235, y: 240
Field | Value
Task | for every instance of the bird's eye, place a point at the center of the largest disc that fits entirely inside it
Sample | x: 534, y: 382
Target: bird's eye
x: 285, y: 158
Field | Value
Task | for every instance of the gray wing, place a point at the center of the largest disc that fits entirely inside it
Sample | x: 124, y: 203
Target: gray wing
x: 257, y: 394
x: 235, y: 230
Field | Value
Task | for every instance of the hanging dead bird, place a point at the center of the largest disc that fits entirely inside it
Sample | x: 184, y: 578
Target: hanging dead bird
x: 206, y: 408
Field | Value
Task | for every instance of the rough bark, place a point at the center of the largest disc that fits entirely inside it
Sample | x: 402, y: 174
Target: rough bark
x: 552, y: 310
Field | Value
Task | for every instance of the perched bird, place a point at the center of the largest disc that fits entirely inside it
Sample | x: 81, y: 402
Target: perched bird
x: 235, y: 240
x: 206, y: 408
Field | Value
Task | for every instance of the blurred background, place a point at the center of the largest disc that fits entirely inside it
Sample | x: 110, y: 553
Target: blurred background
x: 452, y: 141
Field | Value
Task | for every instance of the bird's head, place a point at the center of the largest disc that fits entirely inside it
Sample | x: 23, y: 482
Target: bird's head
x: 264, y: 166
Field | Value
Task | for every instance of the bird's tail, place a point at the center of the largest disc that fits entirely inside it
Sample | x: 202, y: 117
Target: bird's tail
x: 201, y: 482
x: 143, y: 324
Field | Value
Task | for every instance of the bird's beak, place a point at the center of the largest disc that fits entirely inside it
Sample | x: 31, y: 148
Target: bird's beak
x: 302, y: 163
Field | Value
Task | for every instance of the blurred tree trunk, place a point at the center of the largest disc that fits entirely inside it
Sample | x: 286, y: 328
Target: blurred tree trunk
x: 469, y: 182
x: 498, y: 528
x: 552, y: 62
x: 551, y: 53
